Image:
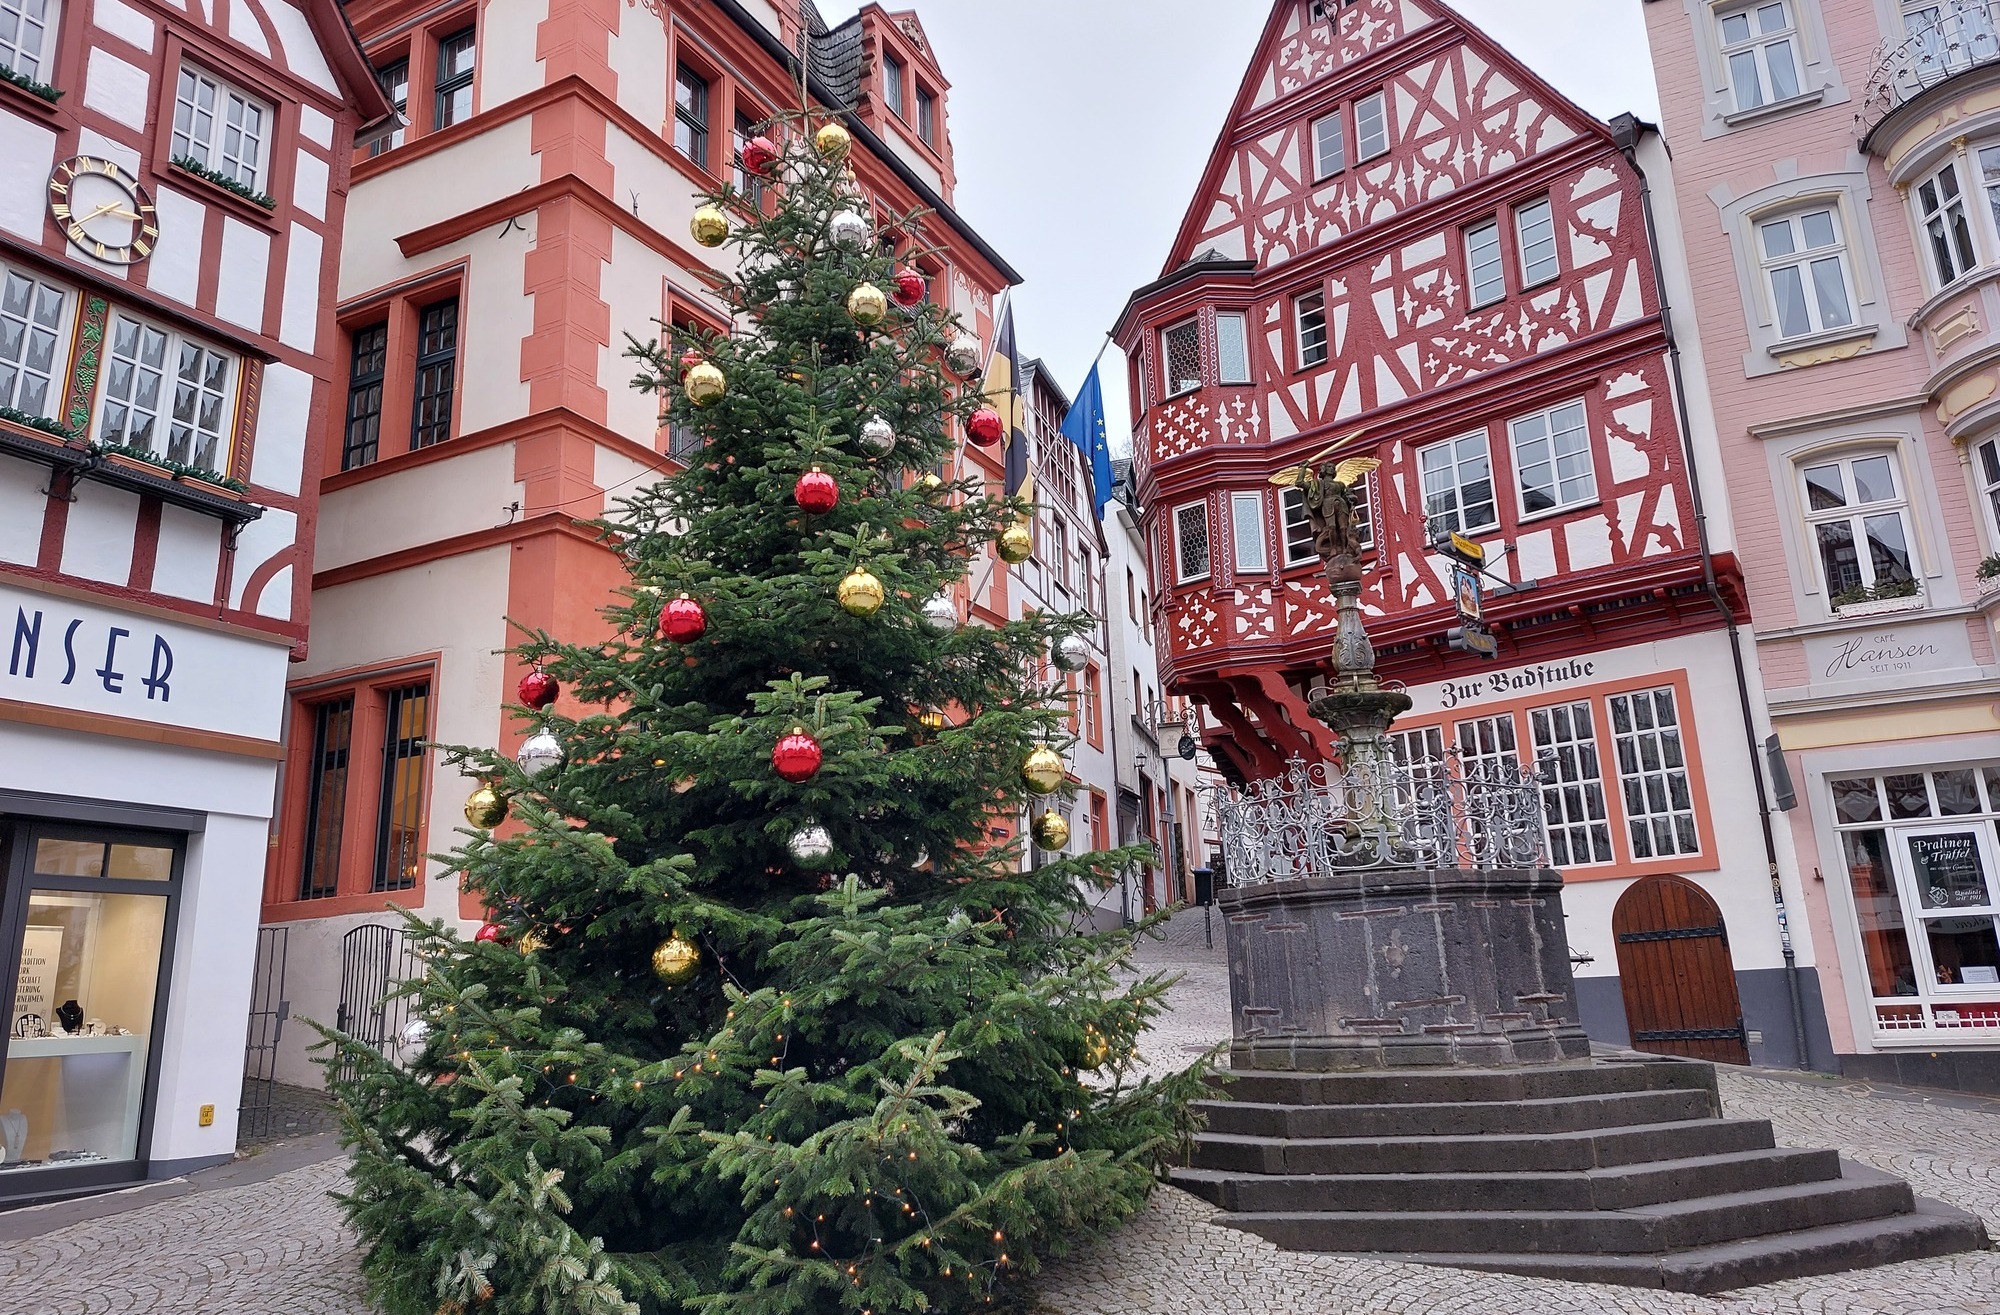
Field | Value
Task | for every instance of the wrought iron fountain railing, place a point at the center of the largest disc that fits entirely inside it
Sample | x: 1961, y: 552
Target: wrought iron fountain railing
x: 1961, y: 35
x: 1318, y: 819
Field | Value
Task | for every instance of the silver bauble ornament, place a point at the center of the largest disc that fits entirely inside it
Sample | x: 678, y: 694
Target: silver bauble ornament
x: 942, y: 613
x: 1070, y: 653
x: 878, y: 435
x: 963, y: 356
x: 812, y: 846
x: 848, y: 229
x: 541, y: 752
x: 415, y: 1033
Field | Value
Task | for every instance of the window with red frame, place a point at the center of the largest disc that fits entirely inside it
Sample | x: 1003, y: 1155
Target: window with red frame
x: 1093, y: 698
x: 360, y: 790
x: 1100, y: 821
x: 402, y: 360
x: 428, y: 75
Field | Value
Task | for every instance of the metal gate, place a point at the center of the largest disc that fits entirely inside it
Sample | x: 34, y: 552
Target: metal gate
x: 268, y: 1011
x: 1676, y: 973
x: 374, y: 961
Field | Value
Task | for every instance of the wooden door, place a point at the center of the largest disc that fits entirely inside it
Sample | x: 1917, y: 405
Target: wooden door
x: 1678, y: 978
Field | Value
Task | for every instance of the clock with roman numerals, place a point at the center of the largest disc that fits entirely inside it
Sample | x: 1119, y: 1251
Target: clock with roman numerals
x: 104, y: 211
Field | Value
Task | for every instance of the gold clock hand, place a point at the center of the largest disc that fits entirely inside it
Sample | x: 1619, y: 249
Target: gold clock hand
x: 104, y: 209
x: 125, y: 214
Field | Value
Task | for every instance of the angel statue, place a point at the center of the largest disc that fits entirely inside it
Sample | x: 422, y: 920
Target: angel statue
x: 1330, y: 496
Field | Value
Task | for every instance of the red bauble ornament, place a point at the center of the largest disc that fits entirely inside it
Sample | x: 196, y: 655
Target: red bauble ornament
x: 816, y: 492
x: 682, y: 621
x: 910, y: 286
x: 985, y: 427
x: 759, y: 154
x: 689, y: 359
x: 539, y: 689
x: 797, y: 757
x: 490, y: 933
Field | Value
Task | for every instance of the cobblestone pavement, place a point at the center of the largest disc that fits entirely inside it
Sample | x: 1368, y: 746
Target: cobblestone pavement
x: 276, y: 1111
x: 262, y: 1237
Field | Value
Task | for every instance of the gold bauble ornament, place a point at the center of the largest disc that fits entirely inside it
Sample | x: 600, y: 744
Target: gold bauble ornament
x: 706, y: 384
x: 1051, y: 831
x: 486, y: 808
x: 861, y: 594
x: 676, y: 960
x: 931, y: 480
x: 710, y: 226
x: 1016, y: 544
x: 1096, y: 1051
x: 833, y: 141
x: 867, y: 305
x: 529, y: 943
x: 1044, y: 771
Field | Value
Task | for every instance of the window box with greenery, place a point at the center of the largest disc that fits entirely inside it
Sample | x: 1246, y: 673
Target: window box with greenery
x: 1988, y: 575
x: 152, y: 464
x: 55, y: 429
x: 41, y: 90
x: 1896, y: 595
x: 188, y: 164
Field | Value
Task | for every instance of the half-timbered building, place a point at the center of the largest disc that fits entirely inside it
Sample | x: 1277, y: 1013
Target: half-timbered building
x: 1409, y: 246
x: 173, y: 178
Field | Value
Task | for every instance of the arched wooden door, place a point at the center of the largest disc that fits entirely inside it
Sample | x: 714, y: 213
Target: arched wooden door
x: 1678, y: 978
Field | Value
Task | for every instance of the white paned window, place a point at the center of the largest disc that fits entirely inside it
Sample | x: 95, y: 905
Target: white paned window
x: 1565, y: 739
x: 1299, y: 544
x: 1535, y: 227
x: 1805, y: 270
x: 1989, y: 484
x: 1458, y: 485
x: 1232, y: 349
x: 1947, y: 233
x: 1309, y: 314
x: 1329, y: 145
x: 26, y: 46
x: 1761, y: 48
x: 1485, y: 743
x: 166, y: 394
x: 1952, y: 35
x: 33, y: 322
x: 1652, y: 774
x: 1371, y: 126
x: 1989, y: 178
x: 1191, y: 541
x: 1859, y: 519
x: 1484, y: 272
x: 1180, y: 358
x: 1246, y: 532
x: 221, y: 128
x: 1552, y: 463
x: 1413, y: 748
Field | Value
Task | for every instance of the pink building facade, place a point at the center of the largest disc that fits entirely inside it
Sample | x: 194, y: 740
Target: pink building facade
x: 1836, y: 189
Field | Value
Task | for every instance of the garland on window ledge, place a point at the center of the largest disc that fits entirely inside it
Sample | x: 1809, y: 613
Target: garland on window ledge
x: 53, y: 428
x: 175, y: 468
x: 1989, y: 569
x: 1882, y: 592
x: 28, y: 84
x: 225, y: 182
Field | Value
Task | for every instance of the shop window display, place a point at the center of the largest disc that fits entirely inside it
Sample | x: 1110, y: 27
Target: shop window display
x: 87, y: 917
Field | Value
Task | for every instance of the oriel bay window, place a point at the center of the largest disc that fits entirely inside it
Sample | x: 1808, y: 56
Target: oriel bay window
x: 1858, y: 517
x: 1948, y: 236
x: 1180, y: 358
x: 166, y: 395
x: 1920, y: 847
x: 357, y: 790
x: 1191, y: 542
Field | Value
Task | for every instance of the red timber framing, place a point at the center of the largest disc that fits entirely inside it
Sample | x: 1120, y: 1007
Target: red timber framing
x: 1405, y: 245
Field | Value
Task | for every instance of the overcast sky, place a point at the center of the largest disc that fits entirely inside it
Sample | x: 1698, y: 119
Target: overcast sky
x: 1081, y: 128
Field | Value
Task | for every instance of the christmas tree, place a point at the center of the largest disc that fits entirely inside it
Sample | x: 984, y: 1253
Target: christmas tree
x: 765, y: 1020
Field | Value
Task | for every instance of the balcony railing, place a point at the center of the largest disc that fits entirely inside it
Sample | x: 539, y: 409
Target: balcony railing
x: 1961, y: 36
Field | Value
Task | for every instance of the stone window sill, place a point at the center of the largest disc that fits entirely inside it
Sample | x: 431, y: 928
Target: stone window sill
x: 1831, y: 338
x: 1776, y: 109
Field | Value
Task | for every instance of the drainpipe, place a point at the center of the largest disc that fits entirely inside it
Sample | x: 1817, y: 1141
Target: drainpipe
x: 1626, y: 130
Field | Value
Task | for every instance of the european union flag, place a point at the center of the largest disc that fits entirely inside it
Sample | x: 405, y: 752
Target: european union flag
x: 1084, y: 426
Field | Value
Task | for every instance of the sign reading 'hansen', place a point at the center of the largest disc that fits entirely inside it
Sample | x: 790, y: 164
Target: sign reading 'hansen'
x: 61, y: 653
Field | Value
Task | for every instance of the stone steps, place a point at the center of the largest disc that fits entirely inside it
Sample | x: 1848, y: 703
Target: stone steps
x: 1609, y: 1172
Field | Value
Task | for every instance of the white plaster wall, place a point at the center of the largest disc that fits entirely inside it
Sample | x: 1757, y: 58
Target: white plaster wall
x: 214, y: 939
x: 634, y: 288
x: 174, y: 268
x: 115, y: 88
x: 260, y: 541
x: 190, y: 550
x: 124, y: 22
x: 639, y: 58
x: 620, y: 476
x: 499, y: 162
x: 283, y: 412
x: 297, y: 43
x: 469, y: 492
x: 298, y: 324
x: 102, y: 525
x: 497, y: 319
x: 508, y: 67
x: 911, y: 156
x: 22, y: 507
x: 27, y: 153
x: 246, y: 262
